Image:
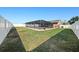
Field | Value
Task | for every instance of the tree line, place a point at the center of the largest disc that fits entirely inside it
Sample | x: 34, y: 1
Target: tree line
x: 73, y: 19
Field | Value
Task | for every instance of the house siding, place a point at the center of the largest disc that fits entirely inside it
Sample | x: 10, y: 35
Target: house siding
x: 39, y: 24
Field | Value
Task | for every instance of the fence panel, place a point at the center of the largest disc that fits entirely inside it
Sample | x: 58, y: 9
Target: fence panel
x: 5, y: 27
x: 75, y: 28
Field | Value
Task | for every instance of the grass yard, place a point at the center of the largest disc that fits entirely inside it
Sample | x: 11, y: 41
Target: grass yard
x: 12, y: 42
x: 32, y: 39
x: 64, y: 41
x: 55, y: 40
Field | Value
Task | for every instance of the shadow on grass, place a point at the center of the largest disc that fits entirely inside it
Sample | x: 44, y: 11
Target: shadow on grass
x: 12, y: 43
x: 65, y: 41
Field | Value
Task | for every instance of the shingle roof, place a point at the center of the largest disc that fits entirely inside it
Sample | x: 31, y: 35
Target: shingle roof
x: 39, y: 22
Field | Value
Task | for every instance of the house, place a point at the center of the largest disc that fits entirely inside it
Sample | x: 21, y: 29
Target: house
x: 39, y: 24
x: 60, y: 24
x: 47, y: 24
x: 75, y: 28
x: 56, y: 23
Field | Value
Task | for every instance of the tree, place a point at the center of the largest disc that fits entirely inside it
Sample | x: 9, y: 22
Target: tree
x: 73, y: 19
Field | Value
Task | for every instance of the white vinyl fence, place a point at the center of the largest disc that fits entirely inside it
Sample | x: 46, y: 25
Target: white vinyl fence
x: 5, y: 27
x: 19, y: 25
x: 75, y: 28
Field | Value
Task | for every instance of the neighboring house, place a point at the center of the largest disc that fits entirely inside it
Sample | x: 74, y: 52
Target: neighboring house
x: 47, y: 24
x: 60, y: 24
x: 39, y: 24
x: 75, y: 28
x: 56, y: 23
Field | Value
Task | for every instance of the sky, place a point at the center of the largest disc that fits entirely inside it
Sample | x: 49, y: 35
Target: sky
x: 19, y: 15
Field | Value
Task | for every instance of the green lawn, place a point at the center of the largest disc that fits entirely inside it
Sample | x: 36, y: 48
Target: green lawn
x: 64, y: 41
x: 12, y: 42
x: 24, y: 39
x: 32, y: 39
